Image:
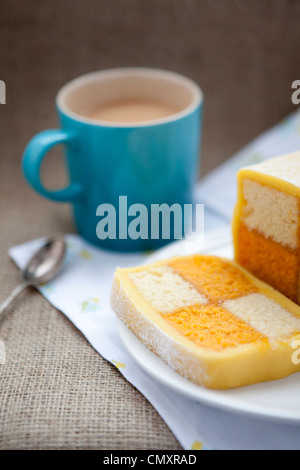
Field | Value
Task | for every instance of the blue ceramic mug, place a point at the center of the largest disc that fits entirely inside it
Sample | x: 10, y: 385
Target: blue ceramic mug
x: 145, y: 162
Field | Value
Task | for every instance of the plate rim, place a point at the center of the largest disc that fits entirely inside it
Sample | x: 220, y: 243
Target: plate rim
x: 229, y: 404
x: 208, y: 397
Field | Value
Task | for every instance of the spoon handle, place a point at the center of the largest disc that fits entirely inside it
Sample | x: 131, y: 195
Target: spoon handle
x: 17, y: 290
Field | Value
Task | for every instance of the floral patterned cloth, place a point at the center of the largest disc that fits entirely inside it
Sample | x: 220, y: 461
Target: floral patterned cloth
x: 81, y: 291
x: 218, y: 190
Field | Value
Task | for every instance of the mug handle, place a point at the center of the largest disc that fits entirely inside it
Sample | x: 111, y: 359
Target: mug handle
x: 32, y: 160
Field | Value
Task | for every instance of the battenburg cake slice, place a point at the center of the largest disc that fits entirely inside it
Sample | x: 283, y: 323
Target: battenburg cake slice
x: 266, y: 222
x: 209, y: 319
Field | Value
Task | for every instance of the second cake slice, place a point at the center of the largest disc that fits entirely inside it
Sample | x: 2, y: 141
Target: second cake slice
x: 266, y: 222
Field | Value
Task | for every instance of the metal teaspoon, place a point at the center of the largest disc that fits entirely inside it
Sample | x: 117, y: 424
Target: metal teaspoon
x: 42, y: 267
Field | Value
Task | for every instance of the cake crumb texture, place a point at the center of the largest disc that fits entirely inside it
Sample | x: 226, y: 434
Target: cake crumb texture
x: 265, y: 315
x: 164, y: 289
x: 271, y: 212
x: 270, y: 261
x: 213, y: 277
x: 213, y: 326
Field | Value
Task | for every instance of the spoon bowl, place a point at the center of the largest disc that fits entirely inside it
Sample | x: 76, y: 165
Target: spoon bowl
x: 41, y: 268
x: 46, y: 262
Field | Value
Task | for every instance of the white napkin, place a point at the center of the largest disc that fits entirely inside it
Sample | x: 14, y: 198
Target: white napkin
x: 218, y: 190
x: 81, y: 291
